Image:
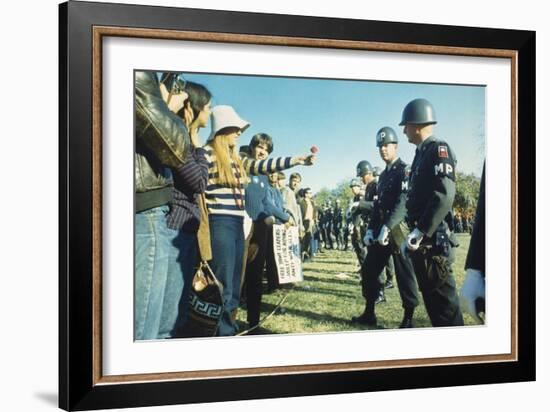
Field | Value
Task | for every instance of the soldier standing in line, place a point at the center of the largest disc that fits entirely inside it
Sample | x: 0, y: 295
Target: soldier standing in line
x: 386, y: 231
x: 430, y: 199
x: 355, y: 186
x: 357, y: 221
x: 365, y: 207
x: 327, y: 227
x: 337, y: 224
x: 321, y: 229
x: 389, y: 270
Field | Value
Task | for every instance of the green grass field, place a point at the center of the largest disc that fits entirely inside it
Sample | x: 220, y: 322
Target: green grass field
x: 331, y: 294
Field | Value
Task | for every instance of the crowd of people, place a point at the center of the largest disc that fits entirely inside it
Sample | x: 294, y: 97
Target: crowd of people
x: 194, y: 201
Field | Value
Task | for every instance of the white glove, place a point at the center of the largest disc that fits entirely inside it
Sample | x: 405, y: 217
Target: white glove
x: 369, y: 238
x: 413, y: 239
x: 472, y: 289
x: 384, y: 236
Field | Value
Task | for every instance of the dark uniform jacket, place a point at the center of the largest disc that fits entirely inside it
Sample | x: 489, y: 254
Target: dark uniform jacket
x: 366, y: 205
x: 476, y: 252
x: 389, y: 207
x: 431, y: 186
x: 356, y: 216
x: 338, y: 218
x: 329, y: 216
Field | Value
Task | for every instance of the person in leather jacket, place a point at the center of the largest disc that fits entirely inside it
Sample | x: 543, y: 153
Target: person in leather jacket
x: 162, y: 142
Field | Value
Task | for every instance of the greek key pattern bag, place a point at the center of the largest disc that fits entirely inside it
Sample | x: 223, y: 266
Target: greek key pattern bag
x: 205, y: 303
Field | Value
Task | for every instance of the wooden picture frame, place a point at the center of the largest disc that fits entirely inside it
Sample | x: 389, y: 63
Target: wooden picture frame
x: 83, y: 26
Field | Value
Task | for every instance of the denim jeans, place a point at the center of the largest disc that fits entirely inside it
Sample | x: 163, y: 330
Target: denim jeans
x: 182, y: 261
x: 227, y: 237
x: 157, y: 251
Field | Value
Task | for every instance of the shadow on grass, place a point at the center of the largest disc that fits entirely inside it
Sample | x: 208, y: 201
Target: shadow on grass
x: 346, y: 262
x: 328, y: 292
x: 352, y: 282
x: 268, y: 307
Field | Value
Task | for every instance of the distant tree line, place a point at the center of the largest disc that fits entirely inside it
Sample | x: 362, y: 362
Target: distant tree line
x: 467, y: 193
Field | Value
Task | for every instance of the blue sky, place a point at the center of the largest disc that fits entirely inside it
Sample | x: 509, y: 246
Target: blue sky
x: 341, y: 117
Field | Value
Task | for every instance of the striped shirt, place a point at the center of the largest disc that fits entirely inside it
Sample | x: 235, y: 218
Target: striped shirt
x: 225, y: 200
x: 190, y: 179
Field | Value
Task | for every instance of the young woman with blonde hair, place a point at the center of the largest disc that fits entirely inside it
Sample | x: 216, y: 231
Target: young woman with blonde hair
x: 225, y: 197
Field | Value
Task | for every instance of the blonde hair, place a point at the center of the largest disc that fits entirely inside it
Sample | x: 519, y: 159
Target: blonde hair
x: 226, y: 157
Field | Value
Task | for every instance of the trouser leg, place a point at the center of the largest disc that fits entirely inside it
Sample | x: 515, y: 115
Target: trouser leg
x: 152, y: 245
x: 377, y: 257
x: 227, y: 239
x: 390, y: 270
x: 270, y: 264
x: 438, y: 287
x: 406, y: 280
x: 254, y: 272
x: 358, y: 247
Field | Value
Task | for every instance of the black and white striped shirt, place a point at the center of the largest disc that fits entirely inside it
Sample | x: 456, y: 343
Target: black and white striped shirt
x: 225, y: 200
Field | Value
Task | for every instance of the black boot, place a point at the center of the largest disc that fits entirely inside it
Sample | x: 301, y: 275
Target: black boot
x: 407, y: 321
x: 367, y: 318
x: 381, y: 297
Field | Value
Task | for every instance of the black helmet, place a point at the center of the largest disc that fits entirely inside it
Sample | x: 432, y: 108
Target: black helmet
x: 418, y: 111
x: 385, y: 135
x: 363, y: 168
x: 376, y: 171
x: 355, y: 182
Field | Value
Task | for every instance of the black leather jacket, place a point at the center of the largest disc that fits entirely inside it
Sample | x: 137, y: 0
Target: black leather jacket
x: 162, y: 142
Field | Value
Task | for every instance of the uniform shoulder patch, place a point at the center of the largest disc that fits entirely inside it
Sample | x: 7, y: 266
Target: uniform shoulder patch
x: 442, y: 151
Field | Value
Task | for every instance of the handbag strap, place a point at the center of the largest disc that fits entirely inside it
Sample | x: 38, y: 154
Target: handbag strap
x: 203, y: 234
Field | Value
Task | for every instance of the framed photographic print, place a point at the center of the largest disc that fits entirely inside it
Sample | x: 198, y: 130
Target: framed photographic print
x: 249, y: 201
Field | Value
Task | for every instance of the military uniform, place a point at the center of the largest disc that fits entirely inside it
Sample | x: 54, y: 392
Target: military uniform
x: 327, y: 227
x: 389, y: 210
x: 361, y: 218
x: 356, y: 234
x: 431, y: 194
x: 337, y: 225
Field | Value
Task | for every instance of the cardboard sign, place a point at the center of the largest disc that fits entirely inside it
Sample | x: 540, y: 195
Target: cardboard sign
x: 286, y: 247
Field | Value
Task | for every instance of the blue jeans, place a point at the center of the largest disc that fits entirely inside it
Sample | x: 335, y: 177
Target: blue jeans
x: 182, y: 261
x: 227, y: 237
x: 157, y: 250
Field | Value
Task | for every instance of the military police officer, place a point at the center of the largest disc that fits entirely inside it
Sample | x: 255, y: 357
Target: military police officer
x: 353, y: 221
x: 389, y: 270
x: 338, y: 224
x: 362, y: 207
x: 430, y: 199
x: 386, y: 231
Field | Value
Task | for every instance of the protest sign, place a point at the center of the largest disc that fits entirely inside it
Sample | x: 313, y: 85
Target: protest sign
x: 286, y: 247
